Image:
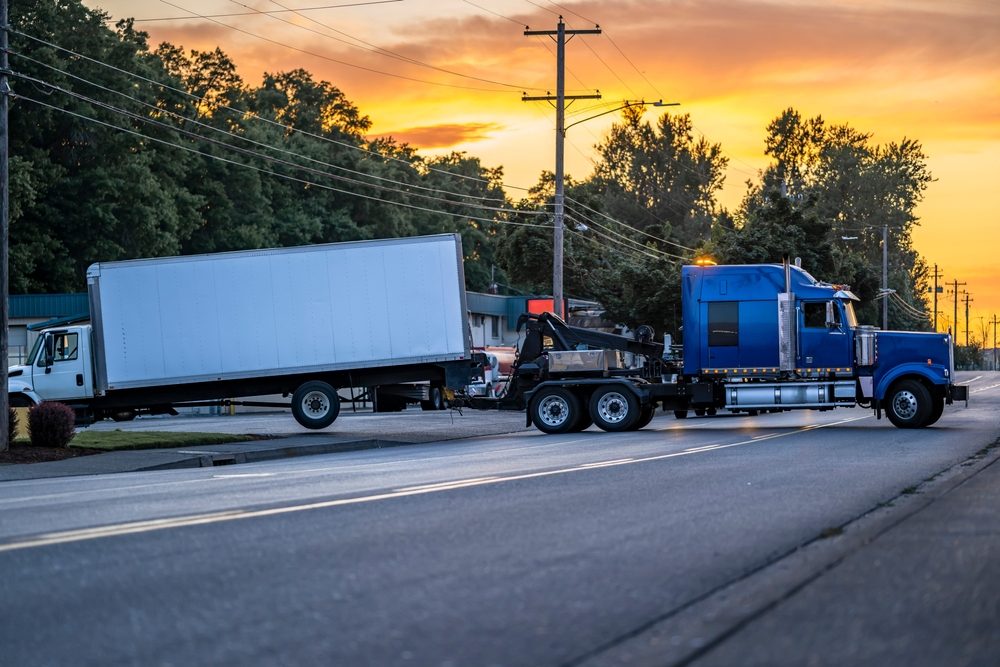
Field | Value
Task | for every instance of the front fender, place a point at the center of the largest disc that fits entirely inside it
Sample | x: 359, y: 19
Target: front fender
x: 16, y: 388
x: 933, y: 373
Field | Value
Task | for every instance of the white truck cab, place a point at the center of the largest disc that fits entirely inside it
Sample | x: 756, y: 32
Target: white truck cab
x: 59, y: 368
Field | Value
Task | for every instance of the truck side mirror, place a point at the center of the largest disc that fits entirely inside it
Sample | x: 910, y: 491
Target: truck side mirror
x: 49, y: 347
x: 831, y: 316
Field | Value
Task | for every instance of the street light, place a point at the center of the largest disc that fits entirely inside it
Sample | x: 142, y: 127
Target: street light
x: 626, y: 105
x: 559, y: 212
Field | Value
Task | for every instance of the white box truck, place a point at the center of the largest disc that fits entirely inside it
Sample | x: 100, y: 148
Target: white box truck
x: 302, y: 322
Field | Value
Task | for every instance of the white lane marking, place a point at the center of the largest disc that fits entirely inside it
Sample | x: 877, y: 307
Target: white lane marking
x: 440, y: 486
x: 969, y: 381
x: 603, y: 464
x: 992, y: 386
x: 244, y: 475
x: 218, y: 517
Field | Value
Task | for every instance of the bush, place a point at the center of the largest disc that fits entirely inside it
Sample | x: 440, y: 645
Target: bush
x: 11, y: 426
x: 51, y: 424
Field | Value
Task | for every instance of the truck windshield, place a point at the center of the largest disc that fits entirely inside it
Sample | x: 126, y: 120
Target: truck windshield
x: 34, y: 350
x: 849, y: 316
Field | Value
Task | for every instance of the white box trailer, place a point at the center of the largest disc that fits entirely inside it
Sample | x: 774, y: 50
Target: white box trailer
x: 303, y: 321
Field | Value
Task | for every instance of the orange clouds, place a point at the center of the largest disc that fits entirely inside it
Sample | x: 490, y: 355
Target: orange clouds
x: 443, y: 136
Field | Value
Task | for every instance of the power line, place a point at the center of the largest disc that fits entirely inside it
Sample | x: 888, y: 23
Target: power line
x: 278, y: 11
x: 628, y: 239
x: 372, y: 48
x: 268, y: 171
x: 490, y: 11
x: 332, y: 59
x: 635, y: 229
x: 219, y: 130
x: 246, y: 114
x: 251, y: 153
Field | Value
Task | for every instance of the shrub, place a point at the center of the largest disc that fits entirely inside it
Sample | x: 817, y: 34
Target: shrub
x: 51, y: 424
x: 11, y: 425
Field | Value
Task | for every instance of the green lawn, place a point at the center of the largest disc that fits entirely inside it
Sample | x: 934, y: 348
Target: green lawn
x: 118, y: 440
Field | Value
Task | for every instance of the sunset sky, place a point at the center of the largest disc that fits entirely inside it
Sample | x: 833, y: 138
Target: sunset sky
x: 922, y: 69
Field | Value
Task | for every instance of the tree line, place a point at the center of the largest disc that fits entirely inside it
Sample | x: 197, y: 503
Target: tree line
x: 121, y: 150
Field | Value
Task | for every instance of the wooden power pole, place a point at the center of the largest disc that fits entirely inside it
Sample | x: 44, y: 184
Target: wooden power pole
x: 559, y: 98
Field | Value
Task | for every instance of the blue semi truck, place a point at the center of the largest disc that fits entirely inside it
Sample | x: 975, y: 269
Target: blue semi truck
x: 757, y: 338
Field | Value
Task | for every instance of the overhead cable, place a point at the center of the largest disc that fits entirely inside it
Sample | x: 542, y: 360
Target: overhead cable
x: 246, y: 114
x: 267, y: 171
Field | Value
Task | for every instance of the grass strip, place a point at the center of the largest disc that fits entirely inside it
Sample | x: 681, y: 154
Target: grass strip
x: 110, y: 441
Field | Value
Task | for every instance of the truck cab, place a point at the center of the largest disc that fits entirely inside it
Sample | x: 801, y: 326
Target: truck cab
x: 749, y: 325
x: 58, y: 368
x: 731, y: 322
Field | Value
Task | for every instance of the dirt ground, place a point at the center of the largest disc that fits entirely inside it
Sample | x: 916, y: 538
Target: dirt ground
x: 25, y: 453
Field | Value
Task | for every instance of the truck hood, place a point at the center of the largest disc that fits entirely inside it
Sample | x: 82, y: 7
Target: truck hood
x: 16, y: 371
x: 922, y: 346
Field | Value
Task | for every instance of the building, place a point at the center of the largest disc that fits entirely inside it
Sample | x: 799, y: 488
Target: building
x: 29, y: 312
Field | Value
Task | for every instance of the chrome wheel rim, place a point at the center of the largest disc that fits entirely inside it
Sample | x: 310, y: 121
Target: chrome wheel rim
x: 904, y: 404
x: 315, y: 404
x: 612, y: 407
x: 553, y: 411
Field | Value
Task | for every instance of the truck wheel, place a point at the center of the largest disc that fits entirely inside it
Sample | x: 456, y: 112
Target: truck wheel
x: 555, y: 410
x: 908, y: 404
x: 937, y: 410
x: 315, y: 404
x: 123, y: 415
x: 614, y: 408
x: 645, y: 416
x: 435, y: 400
x: 681, y: 414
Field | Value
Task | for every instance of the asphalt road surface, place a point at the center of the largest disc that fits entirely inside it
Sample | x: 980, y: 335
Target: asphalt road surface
x: 652, y: 547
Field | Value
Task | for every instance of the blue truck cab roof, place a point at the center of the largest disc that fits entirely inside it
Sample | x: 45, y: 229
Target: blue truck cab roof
x: 730, y: 313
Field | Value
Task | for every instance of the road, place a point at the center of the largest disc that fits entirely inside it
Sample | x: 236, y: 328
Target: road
x: 666, y: 546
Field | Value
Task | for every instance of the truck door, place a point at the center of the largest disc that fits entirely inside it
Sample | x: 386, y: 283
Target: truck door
x: 59, y: 372
x: 823, y: 338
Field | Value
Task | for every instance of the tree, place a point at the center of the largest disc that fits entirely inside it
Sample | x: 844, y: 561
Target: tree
x: 660, y: 179
x: 835, y: 191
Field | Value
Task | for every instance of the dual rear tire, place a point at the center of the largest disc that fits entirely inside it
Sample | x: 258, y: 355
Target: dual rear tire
x: 613, y: 408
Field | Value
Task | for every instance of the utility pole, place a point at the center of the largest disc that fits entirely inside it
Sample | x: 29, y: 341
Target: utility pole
x: 994, y: 341
x: 885, y: 277
x: 937, y: 274
x: 4, y: 227
x: 967, y: 299
x: 560, y: 102
x: 954, y: 320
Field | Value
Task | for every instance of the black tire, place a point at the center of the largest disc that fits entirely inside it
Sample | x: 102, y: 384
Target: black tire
x: 937, y: 409
x: 646, y: 414
x: 435, y: 400
x: 711, y: 412
x: 123, y: 415
x: 554, y: 410
x: 315, y: 404
x: 699, y: 412
x: 908, y: 404
x: 681, y: 414
x: 614, y: 408
x: 583, y: 422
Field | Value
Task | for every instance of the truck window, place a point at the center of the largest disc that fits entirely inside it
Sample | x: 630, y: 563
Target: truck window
x: 35, y: 350
x: 723, y: 324
x: 849, y: 316
x: 66, y: 348
x: 814, y: 314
